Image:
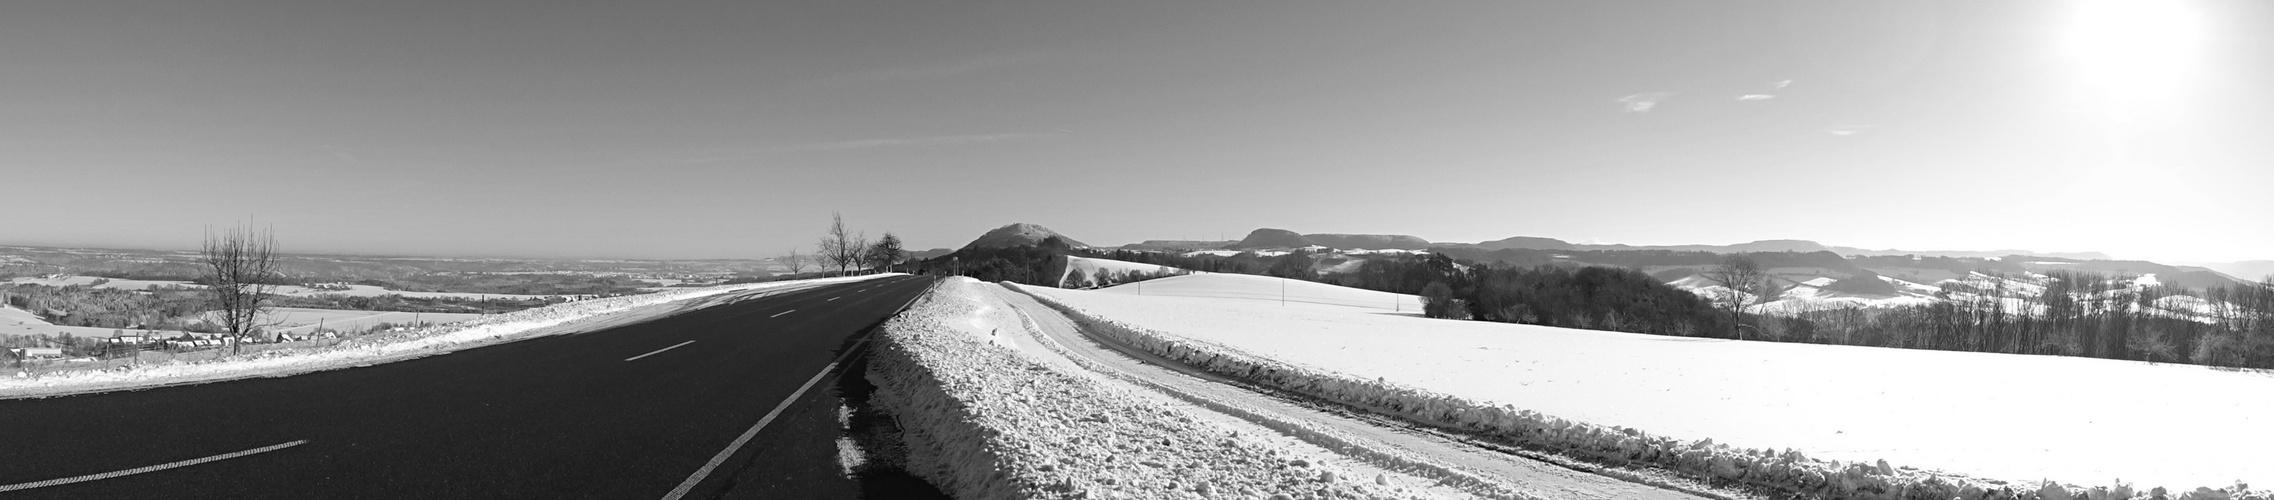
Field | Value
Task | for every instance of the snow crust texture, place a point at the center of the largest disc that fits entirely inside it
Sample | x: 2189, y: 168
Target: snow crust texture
x: 1787, y: 471
x: 372, y: 349
x: 983, y: 421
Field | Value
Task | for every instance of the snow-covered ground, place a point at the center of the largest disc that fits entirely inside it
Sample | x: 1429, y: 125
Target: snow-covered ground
x: 2017, y: 418
x: 486, y: 330
x: 15, y: 321
x: 1268, y: 289
x: 300, y: 319
x: 292, y: 290
x: 981, y: 419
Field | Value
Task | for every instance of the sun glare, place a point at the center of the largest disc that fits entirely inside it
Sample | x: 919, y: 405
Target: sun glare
x: 2133, y: 47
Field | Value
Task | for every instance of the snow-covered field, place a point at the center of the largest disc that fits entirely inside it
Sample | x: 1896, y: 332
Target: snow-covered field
x: 293, y: 290
x: 2016, y: 418
x: 1269, y: 289
x: 15, y: 321
x: 982, y: 420
x: 1087, y: 268
x: 300, y: 319
x: 486, y: 330
x: 373, y: 291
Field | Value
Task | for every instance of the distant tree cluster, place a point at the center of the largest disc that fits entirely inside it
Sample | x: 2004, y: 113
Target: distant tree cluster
x: 162, y: 307
x: 849, y: 251
x: 1600, y: 298
x: 2075, y: 314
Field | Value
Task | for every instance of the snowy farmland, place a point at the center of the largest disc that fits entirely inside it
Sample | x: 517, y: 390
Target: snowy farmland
x: 1268, y: 289
x: 1085, y: 269
x: 2016, y: 418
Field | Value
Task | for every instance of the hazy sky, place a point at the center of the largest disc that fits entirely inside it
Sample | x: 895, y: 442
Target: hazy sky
x: 734, y: 128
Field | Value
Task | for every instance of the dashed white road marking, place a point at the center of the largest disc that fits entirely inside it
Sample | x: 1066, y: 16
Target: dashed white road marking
x: 834, y: 298
x: 777, y: 315
x: 659, y: 351
x: 153, y: 468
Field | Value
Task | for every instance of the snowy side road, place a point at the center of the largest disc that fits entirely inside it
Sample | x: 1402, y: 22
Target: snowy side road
x: 983, y: 419
x: 1465, y: 467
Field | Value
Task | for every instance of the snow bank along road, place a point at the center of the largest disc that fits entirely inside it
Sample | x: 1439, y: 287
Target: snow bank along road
x: 633, y: 411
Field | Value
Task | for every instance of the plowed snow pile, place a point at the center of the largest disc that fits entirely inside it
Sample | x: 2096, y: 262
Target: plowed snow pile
x: 485, y: 330
x: 2019, y: 418
x: 983, y: 420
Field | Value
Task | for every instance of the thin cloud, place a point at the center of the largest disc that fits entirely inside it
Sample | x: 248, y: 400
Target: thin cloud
x: 940, y: 140
x: 1755, y: 97
x: 1780, y: 84
x: 949, y: 68
x: 1643, y: 102
x: 1848, y: 130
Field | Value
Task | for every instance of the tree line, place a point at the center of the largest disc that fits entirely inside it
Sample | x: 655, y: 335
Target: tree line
x: 847, y: 250
x: 2065, y: 313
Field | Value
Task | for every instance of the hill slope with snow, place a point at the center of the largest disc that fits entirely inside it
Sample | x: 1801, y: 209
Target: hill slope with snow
x: 1019, y: 234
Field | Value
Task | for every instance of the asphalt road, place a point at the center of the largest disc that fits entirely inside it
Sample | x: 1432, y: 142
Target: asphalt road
x: 570, y: 416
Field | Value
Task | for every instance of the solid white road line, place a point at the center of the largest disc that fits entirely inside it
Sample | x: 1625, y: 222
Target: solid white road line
x: 153, y: 468
x: 659, y: 351
x: 777, y: 315
x: 689, y: 484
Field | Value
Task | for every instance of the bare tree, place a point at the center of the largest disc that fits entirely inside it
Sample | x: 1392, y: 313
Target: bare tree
x: 794, y: 262
x: 1741, y: 280
x: 240, y: 269
x: 886, y: 252
x: 839, y: 246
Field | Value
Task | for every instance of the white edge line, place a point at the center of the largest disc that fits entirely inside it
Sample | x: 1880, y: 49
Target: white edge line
x: 659, y: 351
x: 153, y: 468
x: 689, y: 484
x: 779, y: 314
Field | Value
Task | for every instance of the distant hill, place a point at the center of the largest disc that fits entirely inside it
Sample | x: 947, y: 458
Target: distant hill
x: 1018, y: 235
x: 1179, y: 245
x: 926, y: 254
x: 1537, y: 243
x: 1368, y: 241
x: 1272, y: 238
x: 2249, y: 270
x: 1524, y: 242
x: 1860, y: 252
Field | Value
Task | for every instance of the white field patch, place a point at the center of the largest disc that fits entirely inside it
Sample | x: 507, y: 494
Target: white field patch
x: 15, y: 321
x: 373, y: 291
x: 1087, y: 268
x: 2023, y: 418
x: 415, y: 343
x: 1269, y: 289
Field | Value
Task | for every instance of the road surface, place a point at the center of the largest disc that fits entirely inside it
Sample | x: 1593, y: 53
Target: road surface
x: 647, y: 410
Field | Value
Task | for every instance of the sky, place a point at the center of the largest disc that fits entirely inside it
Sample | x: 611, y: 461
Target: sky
x: 735, y: 129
